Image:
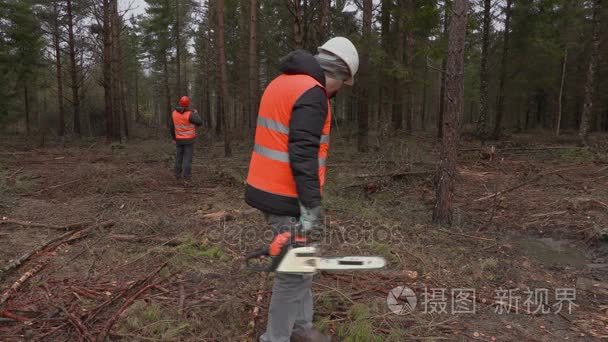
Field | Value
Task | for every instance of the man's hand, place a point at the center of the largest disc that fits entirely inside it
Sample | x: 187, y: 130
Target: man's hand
x: 310, y: 218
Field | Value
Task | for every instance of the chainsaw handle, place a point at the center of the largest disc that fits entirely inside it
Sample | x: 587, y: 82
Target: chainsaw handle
x: 259, y: 253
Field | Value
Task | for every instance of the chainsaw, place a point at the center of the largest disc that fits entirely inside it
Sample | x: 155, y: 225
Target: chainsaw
x: 305, y: 259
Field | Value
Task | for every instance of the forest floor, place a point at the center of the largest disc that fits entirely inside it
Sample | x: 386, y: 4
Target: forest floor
x: 138, y: 256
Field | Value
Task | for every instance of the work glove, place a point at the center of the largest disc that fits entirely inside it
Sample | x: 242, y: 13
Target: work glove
x: 310, y: 218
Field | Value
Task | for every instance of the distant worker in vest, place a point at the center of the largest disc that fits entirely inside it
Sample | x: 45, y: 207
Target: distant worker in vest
x: 183, y: 130
x: 288, y: 167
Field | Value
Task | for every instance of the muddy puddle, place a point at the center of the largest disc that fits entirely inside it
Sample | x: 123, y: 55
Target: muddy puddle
x: 553, y: 252
x: 589, y: 262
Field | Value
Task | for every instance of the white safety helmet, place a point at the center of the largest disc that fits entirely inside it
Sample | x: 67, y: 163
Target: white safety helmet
x: 346, y: 51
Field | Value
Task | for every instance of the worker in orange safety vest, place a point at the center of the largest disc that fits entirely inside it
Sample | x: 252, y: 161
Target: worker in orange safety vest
x: 183, y: 130
x: 288, y: 167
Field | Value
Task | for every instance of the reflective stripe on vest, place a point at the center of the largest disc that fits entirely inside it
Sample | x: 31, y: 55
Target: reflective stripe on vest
x: 279, y: 127
x: 184, y: 129
x: 269, y: 169
x: 278, y: 155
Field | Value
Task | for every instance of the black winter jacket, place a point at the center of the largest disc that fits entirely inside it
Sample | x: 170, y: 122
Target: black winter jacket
x: 305, y: 130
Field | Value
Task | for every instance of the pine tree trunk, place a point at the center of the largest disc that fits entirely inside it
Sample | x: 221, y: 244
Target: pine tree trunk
x: 591, y: 70
x: 73, y: 69
x: 121, y: 80
x: 398, y: 90
x: 26, y: 102
x: 483, y: 74
x: 207, y: 70
x: 454, y: 105
x: 363, y: 97
x: 408, y: 11
x: 528, y: 112
x: 446, y: 22
x: 223, y: 76
x: 107, y: 71
x: 424, y: 97
x: 253, y: 64
x: 168, y: 110
x: 324, y: 27
x: 409, y: 83
x: 178, y: 60
x: 503, y: 72
x: 385, y: 114
x: 560, y: 99
x: 116, y: 76
x: 219, y: 121
x: 137, y: 112
x: 56, y: 41
x: 242, y: 116
x: 123, y: 98
x: 295, y: 7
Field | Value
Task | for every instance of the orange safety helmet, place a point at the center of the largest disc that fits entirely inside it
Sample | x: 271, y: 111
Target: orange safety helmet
x: 184, y: 101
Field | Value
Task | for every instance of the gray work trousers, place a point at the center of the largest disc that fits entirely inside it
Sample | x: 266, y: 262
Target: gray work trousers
x: 183, y: 160
x: 291, y: 302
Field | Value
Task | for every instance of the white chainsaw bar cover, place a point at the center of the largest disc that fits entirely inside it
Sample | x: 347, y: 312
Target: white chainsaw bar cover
x: 306, y: 260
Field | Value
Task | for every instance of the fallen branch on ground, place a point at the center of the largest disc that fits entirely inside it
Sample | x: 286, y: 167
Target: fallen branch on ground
x: 52, y: 244
x: 114, y: 318
x: 466, y: 235
x: 502, y: 192
x: 72, y: 226
x: 219, y: 215
x: 600, y: 203
x: 553, y: 213
x: 56, y: 186
x: 157, y: 239
x: 256, y: 309
x: 12, y: 317
x: 11, y: 175
x: 16, y: 153
x: 93, y: 313
x: 228, y: 215
x: 182, y: 299
x: 17, y: 284
x: 525, y: 149
x: 531, y: 180
x: 373, y: 185
x: 397, y: 175
x: 48, y: 247
x: 77, y: 323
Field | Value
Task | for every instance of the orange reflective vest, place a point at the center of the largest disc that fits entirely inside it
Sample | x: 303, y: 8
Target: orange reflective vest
x: 269, y: 169
x: 184, y: 129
